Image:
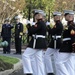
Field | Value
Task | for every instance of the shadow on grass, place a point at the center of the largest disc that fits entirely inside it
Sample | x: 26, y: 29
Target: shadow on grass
x: 7, y: 63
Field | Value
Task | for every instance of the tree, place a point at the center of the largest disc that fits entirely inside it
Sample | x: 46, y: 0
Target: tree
x: 8, y: 8
x: 47, y: 6
x: 61, y: 5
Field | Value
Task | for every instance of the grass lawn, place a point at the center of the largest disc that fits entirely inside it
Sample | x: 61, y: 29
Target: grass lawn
x: 9, y: 60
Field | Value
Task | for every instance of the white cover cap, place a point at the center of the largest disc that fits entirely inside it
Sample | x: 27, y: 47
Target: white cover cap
x: 57, y: 13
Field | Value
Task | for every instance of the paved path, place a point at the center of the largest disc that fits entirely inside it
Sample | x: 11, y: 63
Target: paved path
x: 19, y: 72
x: 12, y: 53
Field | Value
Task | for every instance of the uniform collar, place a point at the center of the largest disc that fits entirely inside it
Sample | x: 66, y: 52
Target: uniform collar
x: 57, y: 21
x: 70, y: 22
x: 18, y: 23
x: 6, y: 24
x: 40, y: 20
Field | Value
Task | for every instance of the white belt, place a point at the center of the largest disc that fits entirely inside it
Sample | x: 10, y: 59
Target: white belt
x: 66, y: 39
x: 36, y: 37
x: 56, y: 37
x: 55, y: 40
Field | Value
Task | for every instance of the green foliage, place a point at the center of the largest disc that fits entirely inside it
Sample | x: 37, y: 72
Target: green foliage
x: 61, y: 5
x: 39, y: 4
x: 8, y: 8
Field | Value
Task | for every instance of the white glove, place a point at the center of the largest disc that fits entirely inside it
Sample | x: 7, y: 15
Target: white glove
x: 19, y: 36
x: 28, y: 22
x: 33, y: 23
x: 47, y: 23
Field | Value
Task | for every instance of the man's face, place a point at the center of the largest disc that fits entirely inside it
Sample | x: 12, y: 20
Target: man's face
x: 8, y: 22
x: 71, y: 17
x: 67, y: 17
x: 36, y: 17
x: 17, y: 20
x: 56, y: 18
x: 39, y: 16
x: 44, y: 19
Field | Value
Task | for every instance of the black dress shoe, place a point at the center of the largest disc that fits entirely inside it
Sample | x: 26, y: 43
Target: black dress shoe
x: 8, y: 52
x: 4, y: 52
x: 19, y: 53
x: 50, y: 74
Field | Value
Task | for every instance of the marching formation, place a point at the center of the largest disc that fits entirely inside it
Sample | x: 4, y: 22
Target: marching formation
x: 56, y: 57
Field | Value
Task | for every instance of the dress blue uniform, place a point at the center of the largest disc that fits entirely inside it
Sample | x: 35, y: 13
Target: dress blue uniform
x: 54, y: 44
x: 18, y: 37
x: 65, y: 59
x: 6, y: 35
x: 35, y: 47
